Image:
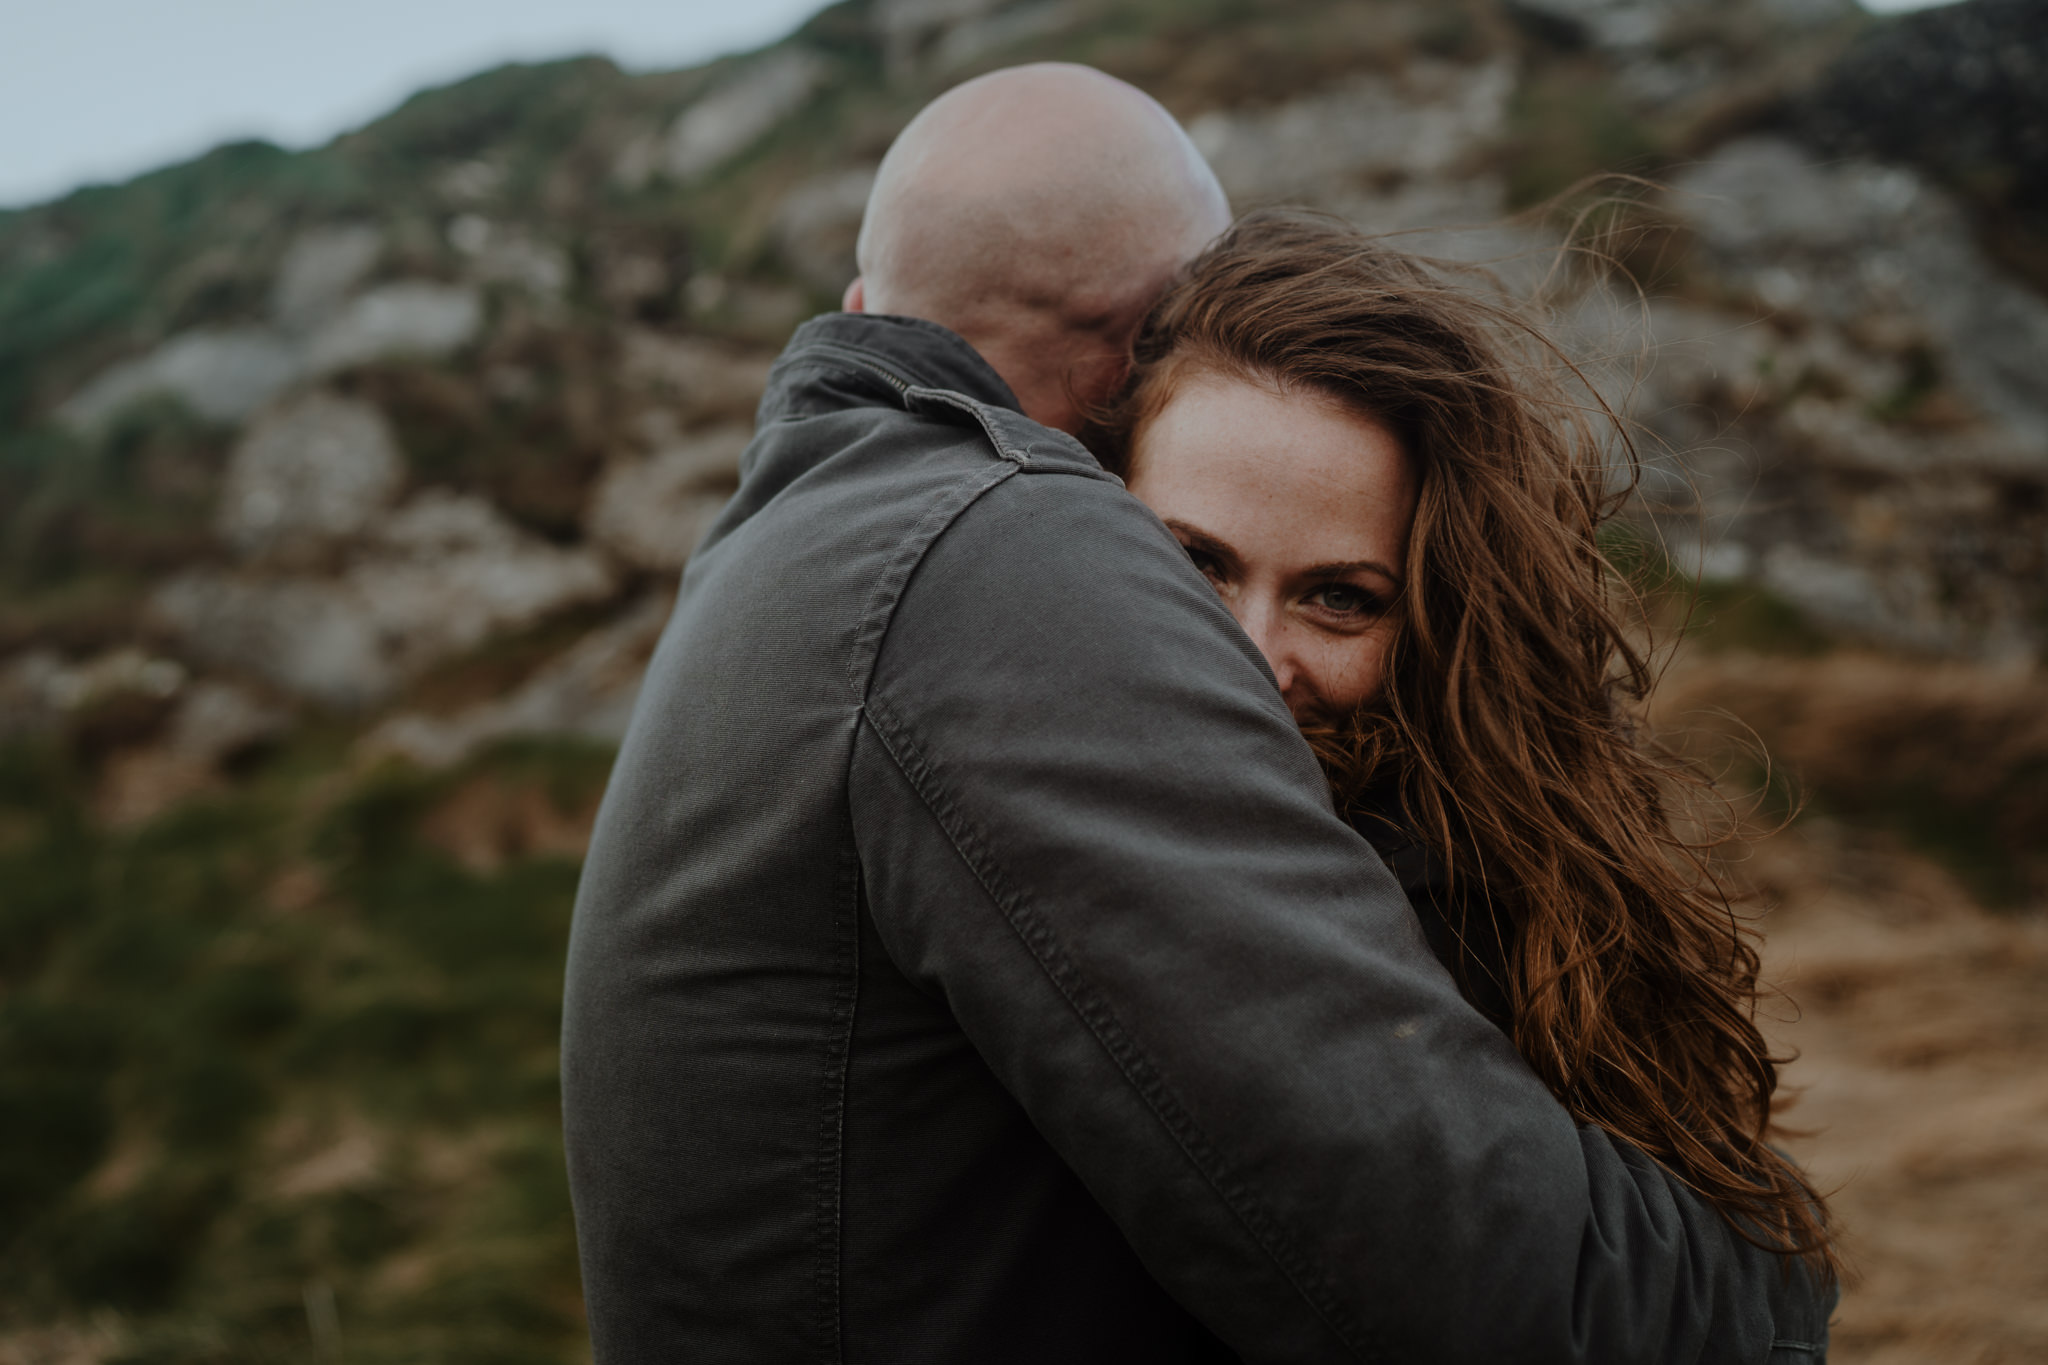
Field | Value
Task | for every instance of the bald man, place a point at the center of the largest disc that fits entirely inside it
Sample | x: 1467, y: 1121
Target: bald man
x: 1037, y: 213
x: 969, y: 966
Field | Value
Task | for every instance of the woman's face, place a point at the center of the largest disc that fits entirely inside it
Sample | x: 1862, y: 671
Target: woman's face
x: 1298, y: 510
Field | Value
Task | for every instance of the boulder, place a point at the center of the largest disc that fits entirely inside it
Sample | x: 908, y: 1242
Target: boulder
x: 695, y: 377
x: 407, y: 318
x: 449, y: 571
x: 223, y: 374
x: 214, y: 723
x: 652, y: 512
x: 818, y: 223
x: 588, y: 691
x: 1423, y: 123
x: 973, y: 38
x: 1852, y: 241
x: 218, y: 721
x: 319, y: 470
x: 443, y: 573
x: 736, y: 115
x: 321, y: 268
x: 909, y: 29
x: 1901, y: 607
x: 503, y: 254
x: 311, y: 637
x: 40, y: 690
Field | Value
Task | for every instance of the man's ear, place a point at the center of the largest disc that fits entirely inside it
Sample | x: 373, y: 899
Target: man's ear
x: 856, y: 298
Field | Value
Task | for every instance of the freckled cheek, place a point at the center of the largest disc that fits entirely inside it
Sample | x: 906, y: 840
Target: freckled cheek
x: 1351, y: 671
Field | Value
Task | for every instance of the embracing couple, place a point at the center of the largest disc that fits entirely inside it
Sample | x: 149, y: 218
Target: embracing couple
x: 1193, y: 896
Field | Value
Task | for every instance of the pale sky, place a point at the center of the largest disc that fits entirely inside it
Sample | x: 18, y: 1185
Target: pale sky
x: 97, y: 90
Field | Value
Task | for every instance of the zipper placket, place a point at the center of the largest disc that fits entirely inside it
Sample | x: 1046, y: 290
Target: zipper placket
x: 865, y: 361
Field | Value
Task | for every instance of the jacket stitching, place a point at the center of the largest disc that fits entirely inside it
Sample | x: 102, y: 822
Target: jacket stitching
x: 829, y: 345
x: 956, y: 498
x: 980, y: 412
x: 1138, y: 1070
x: 947, y: 504
x: 822, y: 352
x: 830, y: 1171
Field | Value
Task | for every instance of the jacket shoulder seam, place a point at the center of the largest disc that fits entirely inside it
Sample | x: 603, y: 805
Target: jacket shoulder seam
x: 873, y: 621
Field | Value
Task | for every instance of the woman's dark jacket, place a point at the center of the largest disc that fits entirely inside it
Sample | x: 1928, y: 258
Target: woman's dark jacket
x: 969, y: 965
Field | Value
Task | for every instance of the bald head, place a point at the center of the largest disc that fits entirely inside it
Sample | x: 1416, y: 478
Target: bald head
x: 1037, y: 211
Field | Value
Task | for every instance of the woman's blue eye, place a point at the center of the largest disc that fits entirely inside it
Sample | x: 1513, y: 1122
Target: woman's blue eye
x: 1345, y: 599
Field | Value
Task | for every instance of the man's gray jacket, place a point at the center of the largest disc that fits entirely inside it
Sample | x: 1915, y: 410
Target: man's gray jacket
x: 969, y: 966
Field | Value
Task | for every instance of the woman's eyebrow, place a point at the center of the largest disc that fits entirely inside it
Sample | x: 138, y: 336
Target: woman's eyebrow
x: 1351, y: 566
x: 1199, y: 539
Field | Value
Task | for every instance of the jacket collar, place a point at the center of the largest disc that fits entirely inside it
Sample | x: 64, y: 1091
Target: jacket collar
x: 902, y: 352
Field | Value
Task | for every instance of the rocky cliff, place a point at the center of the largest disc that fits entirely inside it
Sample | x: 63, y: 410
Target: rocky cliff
x: 321, y: 421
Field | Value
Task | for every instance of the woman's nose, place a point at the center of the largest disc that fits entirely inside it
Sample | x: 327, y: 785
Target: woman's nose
x: 1267, y: 628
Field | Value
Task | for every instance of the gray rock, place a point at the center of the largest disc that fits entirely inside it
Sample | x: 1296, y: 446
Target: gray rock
x: 741, y: 307
x: 505, y: 254
x: 908, y: 29
x: 216, y: 721
x: 443, y: 574
x: 1956, y: 91
x: 212, y: 723
x: 39, y: 688
x: 652, y: 512
x: 1855, y: 240
x: 223, y: 374
x: 472, y: 182
x: 449, y: 571
x: 1901, y: 607
x: 697, y: 378
x: 818, y: 223
x: 439, y: 521
x: 320, y: 270
x: 740, y: 112
x: 587, y: 692
x: 1765, y: 461
x: 406, y: 318
x: 972, y: 39
x: 1762, y: 193
x: 319, y: 470
x: 1996, y: 329
x: 1328, y: 143
x: 311, y: 637
x: 25, y: 709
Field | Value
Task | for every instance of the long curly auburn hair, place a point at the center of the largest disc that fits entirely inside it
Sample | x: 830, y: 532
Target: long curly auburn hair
x: 1505, y: 726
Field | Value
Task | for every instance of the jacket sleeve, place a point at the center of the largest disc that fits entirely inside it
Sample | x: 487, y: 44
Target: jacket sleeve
x: 1086, y: 820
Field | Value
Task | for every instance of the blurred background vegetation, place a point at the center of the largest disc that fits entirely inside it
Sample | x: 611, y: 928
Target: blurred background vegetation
x: 291, y: 804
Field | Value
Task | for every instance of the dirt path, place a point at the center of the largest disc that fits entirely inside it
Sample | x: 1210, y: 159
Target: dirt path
x: 1923, y: 1034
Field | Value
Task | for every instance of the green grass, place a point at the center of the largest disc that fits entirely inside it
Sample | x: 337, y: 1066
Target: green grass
x: 1749, y: 616
x: 172, y: 1039
x: 1977, y: 813
x: 1714, y: 615
x: 1566, y: 124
